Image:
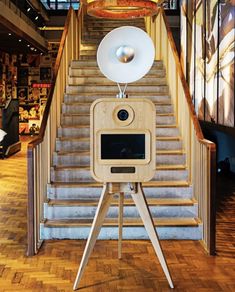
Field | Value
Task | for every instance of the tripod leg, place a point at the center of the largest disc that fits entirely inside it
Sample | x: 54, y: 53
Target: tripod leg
x: 101, y: 212
x: 142, y: 206
x: 120, y: 224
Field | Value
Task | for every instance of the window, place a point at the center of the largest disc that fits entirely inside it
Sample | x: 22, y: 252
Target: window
x: 60, y: 4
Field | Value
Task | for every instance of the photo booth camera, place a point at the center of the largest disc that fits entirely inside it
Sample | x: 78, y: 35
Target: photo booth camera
x: 123, y: 139
x: 123, y: 130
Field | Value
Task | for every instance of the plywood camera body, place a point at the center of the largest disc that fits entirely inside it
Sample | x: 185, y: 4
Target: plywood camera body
x: 123, y: 140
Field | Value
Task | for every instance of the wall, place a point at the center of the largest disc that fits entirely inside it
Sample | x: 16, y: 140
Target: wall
x: 207, y: 57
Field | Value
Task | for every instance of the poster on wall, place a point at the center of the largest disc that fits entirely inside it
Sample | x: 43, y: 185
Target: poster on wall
x: 22, y: 94
x: 45, y: 74
x: 226, y: 63
x: 23, y: 76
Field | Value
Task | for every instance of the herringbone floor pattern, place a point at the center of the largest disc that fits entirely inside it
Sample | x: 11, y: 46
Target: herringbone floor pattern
x: 55, y: 267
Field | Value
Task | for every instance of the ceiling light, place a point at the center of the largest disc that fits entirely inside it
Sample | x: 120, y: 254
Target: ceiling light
x: 28, y: 9
x: 20, y: 40
x: 36, y: 18
x: 122, y: 9
x: 9, y: 33
x: 28, y: 46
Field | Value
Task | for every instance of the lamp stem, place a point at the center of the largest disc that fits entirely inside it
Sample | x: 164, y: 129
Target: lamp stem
x: 122, y: 93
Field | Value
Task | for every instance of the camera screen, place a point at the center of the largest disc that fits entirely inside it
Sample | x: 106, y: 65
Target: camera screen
x: 122, y: 146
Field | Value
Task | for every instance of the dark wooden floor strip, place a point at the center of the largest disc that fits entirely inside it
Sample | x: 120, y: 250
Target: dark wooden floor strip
x: 55, y: 267
x: 226, y: 216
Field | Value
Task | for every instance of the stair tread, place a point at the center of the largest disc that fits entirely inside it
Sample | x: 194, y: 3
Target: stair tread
x: 145, y: 184
x: 87, y: 139
x: 99, y: 75
x: 171, y: 152
x: 171, y: 167
x: 167, y: 126
x: 168, y: 138
x: 88, y: 126
x: 163, y: 103
x: 114, y: 85
x: 88, y: 114
x: 81, y: 139
x: 87, y: 167
x: 110, y: 94
x: 165, y: 114
x: 127, y: 222
x: 87, y: 152
x: 127, y: 202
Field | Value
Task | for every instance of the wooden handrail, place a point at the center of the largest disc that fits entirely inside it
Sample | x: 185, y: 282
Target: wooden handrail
x: 200, y: 137
x: 40, y: 147
x: 201, y: 153
x: 196, y: 124
x: 41, y: 134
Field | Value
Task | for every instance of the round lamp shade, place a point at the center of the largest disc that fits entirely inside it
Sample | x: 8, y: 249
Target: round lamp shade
x: 125, y: 54
x: 121, y: 9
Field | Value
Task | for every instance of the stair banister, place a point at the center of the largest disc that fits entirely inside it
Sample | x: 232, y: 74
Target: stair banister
x: 40, y: 149
x: 200, y: 153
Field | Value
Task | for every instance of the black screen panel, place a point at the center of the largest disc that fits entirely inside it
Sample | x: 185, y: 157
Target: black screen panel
x: 122, y: 146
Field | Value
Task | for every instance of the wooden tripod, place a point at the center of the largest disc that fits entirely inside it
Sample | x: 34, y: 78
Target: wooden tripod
x: 136, y: 191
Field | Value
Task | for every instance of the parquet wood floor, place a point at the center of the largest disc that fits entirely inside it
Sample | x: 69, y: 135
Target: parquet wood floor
x: 55, y: 267
x: 225, y: 216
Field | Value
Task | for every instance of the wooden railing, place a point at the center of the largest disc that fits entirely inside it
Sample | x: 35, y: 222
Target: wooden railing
x: 40, y: 150
x: 199, y: 151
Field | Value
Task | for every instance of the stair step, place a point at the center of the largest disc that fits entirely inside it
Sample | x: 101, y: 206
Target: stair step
x: 95, y: 71
x: 87, y: 152
x: 87, y: 209
x: 150, y: 184
x: 87, y: 167
x: 158, y: 138
x: 127, y: 202
x: 165, y: 138
x: 87, y: 103
x: 82, y: 173
x: 173, y: 126
x: 88, y: 58
x: 180, y: 190
x: 83, y: 64
x: 80, y: 144
x: 169, y: 158
x: 92, y: 27
x: 87, y: 53
x: 84, y: 108
x: 127, y: 222
x: 82, y: 131
x: 91, y: 96
x: 70, y: 119
x: 103, y: 81
x: 167, y: 228
x: 143, y: 89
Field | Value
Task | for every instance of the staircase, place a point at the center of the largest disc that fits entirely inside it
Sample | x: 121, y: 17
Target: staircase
x: 73, y: 195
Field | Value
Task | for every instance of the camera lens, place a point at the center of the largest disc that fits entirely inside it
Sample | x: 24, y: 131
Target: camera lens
x: 123, y: 115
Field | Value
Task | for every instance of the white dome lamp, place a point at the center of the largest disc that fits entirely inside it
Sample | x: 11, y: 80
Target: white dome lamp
x: 125, y: 55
